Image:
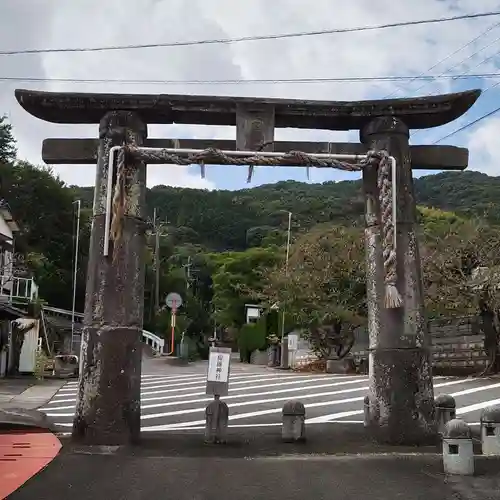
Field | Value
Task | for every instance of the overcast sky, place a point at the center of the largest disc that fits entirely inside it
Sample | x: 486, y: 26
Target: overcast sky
x: 28, y: 24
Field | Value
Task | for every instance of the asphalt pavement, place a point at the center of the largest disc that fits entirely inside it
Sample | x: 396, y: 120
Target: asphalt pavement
x: 174, y: 398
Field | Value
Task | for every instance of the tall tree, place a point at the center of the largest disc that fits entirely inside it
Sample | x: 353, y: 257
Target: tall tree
x: 237, y: 278
x: 44, y: 208
x: 323, y: 290
x: 461, y: 273
x: 8, y: 149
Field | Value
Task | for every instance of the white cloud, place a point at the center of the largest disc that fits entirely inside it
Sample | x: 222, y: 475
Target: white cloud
x: 51, y: 23
x: 482, y: 145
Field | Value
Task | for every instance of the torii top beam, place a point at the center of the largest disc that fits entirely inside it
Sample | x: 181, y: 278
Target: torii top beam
x: 416, y: 113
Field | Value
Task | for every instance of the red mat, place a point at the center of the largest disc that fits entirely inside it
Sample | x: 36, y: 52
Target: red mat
x: 22, y: 455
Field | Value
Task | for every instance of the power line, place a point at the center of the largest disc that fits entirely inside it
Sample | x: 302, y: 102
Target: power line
x: 252, y: 38
x: 480, y: 63
x: 470, y: 124
x: 352, y: 79
x: 466, y: 126
x: 449, y: 56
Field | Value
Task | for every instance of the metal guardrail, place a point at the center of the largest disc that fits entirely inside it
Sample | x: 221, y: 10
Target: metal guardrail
x: 55, y: 311
x: 14, y: 287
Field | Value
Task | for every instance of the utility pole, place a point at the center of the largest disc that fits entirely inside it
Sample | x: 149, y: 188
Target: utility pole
x: 284, y: 350
x: 75, y: 272
x: 157, y: 227
x: 187, y: 268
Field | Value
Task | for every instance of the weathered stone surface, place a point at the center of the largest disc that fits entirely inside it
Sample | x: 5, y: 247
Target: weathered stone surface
x: 457, y: 429
x: 294, y: 418
x: 401, y: 411
x: 113, y: 288
x: 115, y: 129
x: 491, y: 415
x: 373, y: 256
x: 216, y: 422
x: 401, y: 391
x: 445, y: 411
x: 108, y: 407
x: 445, y: 401
x: 108, y: 403
x: 417, y: 112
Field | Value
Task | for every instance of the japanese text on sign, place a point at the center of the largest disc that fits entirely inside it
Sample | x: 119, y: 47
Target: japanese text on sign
x: 218, y: 367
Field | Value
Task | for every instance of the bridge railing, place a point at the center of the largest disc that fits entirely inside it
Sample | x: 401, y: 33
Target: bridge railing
x: 148, y: 338
x: 153, y: 340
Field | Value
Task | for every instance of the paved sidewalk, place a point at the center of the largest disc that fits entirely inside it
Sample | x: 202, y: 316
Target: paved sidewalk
x: 27, y: 393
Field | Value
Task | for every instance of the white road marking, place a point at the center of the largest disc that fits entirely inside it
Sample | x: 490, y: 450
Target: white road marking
x: 477, y: 406
x: 328, y: 418
x: 231, y: 396
x: 278, y: 410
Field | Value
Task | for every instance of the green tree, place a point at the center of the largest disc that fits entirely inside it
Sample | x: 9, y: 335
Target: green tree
x: 8, y: 149
x: 44, y: 208
x: 237, y: 278
x: 324, y: 288
x: 461, y: 267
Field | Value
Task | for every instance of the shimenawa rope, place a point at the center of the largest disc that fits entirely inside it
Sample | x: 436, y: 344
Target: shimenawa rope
x: 373, y: 159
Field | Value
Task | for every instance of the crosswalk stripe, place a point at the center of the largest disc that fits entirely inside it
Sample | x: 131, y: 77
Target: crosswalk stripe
x: 477, y: 406
x: 201, y: 385
x: 187, y: 386
x: 231, y: 396
x: 278, y: 410
x: 328, y: 418
x: 273, y: 400
x: 172, y: 399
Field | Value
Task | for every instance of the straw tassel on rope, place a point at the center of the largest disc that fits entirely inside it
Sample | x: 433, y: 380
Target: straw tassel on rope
x: 387, y: 195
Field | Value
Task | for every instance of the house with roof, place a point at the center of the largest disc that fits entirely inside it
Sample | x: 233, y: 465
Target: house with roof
x: 17, y: 289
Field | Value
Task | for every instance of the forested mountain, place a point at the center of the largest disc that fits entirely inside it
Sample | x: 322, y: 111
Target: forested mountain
x: 235, y: 220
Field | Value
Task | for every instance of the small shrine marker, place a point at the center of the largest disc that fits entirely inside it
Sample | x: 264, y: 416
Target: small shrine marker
x: 219, y: 363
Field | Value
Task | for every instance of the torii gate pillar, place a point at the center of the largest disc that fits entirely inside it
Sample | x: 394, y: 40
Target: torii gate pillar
x: 401, y: 391
x: 114, y: 301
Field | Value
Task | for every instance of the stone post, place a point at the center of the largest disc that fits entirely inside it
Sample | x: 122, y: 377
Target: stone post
x: 108, y: 404
x: 294, y: 422
x: 216, y: 421
x: 445, y: 411
x: 401, y: 391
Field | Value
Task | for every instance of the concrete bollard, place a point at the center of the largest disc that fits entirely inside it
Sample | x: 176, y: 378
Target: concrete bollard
x: 216, y: 421
x: 445, y: 411
x: 366, y: 411
x: 294, y: 422
x: 490, y: 431
x: 458, y: 453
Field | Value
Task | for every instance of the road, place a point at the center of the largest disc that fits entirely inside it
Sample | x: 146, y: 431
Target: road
x: 174, y: 397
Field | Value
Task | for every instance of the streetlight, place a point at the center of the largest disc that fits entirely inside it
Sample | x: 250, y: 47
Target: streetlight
x: 75, y: 271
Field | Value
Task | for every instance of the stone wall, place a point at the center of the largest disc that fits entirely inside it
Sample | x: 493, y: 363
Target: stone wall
x: 457, y: 345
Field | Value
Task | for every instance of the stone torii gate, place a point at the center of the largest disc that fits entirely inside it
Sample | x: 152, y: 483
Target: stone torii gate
x: 401, y: 392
